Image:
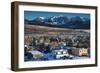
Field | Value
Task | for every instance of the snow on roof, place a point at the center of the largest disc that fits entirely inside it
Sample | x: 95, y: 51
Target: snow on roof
x: 35, y: 52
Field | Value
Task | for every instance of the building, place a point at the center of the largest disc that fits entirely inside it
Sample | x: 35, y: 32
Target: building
x: 62, y: 54
x: 80, y: 51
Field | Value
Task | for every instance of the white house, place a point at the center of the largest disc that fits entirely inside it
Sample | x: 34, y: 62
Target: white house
x: 62, y: 53
x: 36, y: 54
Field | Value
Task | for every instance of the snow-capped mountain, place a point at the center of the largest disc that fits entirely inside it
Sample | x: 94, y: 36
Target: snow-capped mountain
x: 76, y: 22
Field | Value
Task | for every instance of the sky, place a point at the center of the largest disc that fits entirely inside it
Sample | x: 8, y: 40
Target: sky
x: 30, y: 15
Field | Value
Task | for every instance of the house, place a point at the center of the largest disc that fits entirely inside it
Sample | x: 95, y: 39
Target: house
x: 28, y: 48
x: 36, y: 54
x: 80, y: 51
x: 62, y: 54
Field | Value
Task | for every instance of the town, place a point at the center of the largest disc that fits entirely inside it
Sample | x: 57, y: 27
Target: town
x: 56, y: 45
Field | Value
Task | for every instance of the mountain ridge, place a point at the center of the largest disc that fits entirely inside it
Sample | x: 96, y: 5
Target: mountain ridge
x: 76, y: 22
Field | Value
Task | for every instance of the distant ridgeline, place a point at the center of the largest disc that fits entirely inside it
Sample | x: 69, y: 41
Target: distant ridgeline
x: 76, y: 22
